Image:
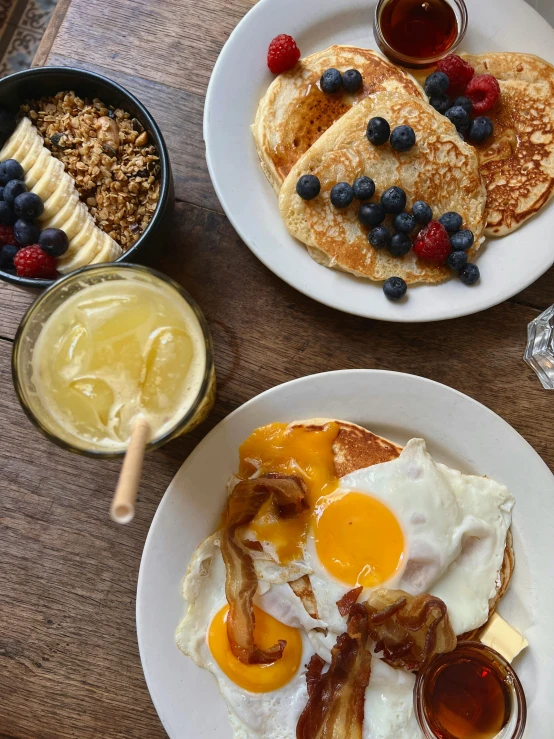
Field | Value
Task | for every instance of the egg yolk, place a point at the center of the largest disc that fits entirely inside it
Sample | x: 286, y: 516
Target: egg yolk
x: 307, y: 454
x: 358, y: 539
x: 267, y: 632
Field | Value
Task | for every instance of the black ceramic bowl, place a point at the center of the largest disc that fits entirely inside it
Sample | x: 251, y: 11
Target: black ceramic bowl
x: 43, y: 81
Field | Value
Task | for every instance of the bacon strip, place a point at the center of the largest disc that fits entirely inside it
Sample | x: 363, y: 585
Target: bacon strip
x: 335, y: 708
x: 246, y: 499
x: 348, y: 599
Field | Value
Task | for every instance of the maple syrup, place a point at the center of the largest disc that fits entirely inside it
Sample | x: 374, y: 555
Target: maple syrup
x: 418, y: 29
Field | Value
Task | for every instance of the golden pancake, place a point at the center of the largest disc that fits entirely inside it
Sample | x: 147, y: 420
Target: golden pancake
x: 295, y: 112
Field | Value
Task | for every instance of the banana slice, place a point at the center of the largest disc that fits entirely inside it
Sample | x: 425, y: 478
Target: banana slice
x: 64, y: 193
x: 29, y: 157
x: 82, y: 237
x: 84, y: 255
x: 37, y: 170
x: 50, y: 179
x: 109, y: 252
x: 16, y: 139
x: 77, y: 220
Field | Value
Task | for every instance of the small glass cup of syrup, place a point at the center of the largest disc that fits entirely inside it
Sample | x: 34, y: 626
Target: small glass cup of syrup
x: 417, y: 33
x: 470, y: 693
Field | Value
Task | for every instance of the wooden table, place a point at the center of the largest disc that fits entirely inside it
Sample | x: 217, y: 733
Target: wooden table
x: 69, y: 663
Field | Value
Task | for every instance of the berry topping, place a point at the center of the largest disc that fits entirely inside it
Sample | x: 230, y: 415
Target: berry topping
x: 13, y: 189
x: 393, y: 200
x: 404, y: 223
x: 483, y: 91
x: 466, y: 104
x: 379, y: 237
x: 395, y: 288
x: 469, y: 274
x: 308, y: 187
x: 7, y: 253
x: 33, y: 262
x: 378, y: 131
x: 480, y: 129
x: 364, y: 188
x: 457, y: 260
x: 432, y: 243
x: 371, y: 214
x: 451, y: 221
x: 331, y: 81
x: 400, y: 245
x: 283, y: 53
x: 10, y: 170
x: 26, y: 233
x: 440, y: 103
x: 436, y: 84
x: 458, y: 116
x: 7, y: 123
x: 458, y: 71
x: 6, y: 235
x: 28, y: 205
x: 422, y: 212
x: 53, y: 241
x: 462, y: 240
x: 342, y: 195
x: 352, y: 81
x: 402, y: 138
x: 1, y: 192
x: 7, y: 216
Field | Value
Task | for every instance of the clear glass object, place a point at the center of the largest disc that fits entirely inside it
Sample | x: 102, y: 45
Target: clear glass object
x: 539, y: 353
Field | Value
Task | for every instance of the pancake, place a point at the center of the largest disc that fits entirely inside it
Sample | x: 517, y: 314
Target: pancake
x: 295, y: 112
x: 518, y: 166
x: 356, y: 448
x: 440, y: 169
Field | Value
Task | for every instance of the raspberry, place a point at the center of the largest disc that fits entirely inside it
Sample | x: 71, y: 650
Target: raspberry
x: 458, y: 71
x: 283, y: 54
x: 432, y: 243
x: 31, y: 261
x: 483, y: 91
x: 6, y: 235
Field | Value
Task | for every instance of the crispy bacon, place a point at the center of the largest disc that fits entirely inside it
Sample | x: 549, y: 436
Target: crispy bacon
x: 408, y: 629
x: 246, y: 499
x: 348, y: 599
x: 335, y: 708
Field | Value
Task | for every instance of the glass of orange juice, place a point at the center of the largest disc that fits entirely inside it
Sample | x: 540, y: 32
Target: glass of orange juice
x: 107, y: 345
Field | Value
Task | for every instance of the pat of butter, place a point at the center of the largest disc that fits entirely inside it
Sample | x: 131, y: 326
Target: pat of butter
x: 502, y: 637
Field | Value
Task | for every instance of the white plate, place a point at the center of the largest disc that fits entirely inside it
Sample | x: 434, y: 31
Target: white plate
x: 240, y: 79
x: 459, y: 431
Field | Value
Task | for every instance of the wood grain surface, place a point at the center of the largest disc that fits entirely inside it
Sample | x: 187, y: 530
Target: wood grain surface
x: 69, y: 663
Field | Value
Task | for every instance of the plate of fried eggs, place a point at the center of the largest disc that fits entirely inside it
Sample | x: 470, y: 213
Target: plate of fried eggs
x: 406, y: 485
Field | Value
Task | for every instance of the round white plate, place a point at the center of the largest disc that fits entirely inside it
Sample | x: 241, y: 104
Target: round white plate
x: 459, y: 432
x: 241, y: 78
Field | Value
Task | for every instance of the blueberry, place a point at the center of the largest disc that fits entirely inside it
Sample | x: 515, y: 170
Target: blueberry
x: 371, y: 214
x: 395, y: 288
x: 465, y: 103
x: 7, y: 123
x: 7, y: 253
x: 7, y: 216
x: 451, y: 221
x: 400, y: 245
x: 342, y: 195
x: 379, y: 237
x: 393, y: 200
x: 53, y: 241
x: 469, y: 274
x: 364, y: 188
x: 480, y: 129
x: 436, y: 84
x: 404, y: 223
x: 422, y: 212
x: 331, y: 80
x: 1, y: 192
x: 26, y: 233
x: 308, y: 187
x: 440, y: 103
x: 457, y: 260
x: 402, y: 138
x: 462, y: 240
x: 458, y: 116
x: 10, y: 170
x: 28, y: 205
x: 378, y: 131
x: 352, y: 80
x: 13, y: 189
